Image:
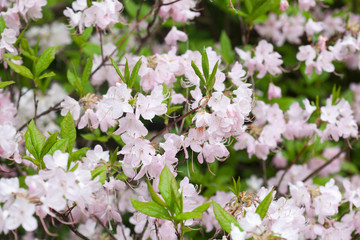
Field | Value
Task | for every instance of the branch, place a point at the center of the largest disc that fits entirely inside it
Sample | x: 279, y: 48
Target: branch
x: 106, y: 228
x: 295, y: 161
x: 327, y: 163
x: 171, y: 124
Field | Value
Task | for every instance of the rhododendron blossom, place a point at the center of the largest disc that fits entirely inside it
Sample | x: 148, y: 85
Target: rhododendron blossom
x: 179, y: 119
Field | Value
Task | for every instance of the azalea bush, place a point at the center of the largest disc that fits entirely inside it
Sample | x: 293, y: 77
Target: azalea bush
x: 179, y: 119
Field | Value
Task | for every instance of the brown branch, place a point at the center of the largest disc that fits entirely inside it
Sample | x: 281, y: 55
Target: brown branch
x: 171, y: 124
x: 106, y: 228
x: 294, y: 162
x: 327, y: 163
x: 72, y: 228
x: 53, y: 108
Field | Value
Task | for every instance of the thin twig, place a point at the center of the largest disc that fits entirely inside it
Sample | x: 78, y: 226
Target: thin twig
x: 53, y: 108
x: 294, y: 162
x: 106, y: 228
x: 171, y: 124
x: 327, y: 163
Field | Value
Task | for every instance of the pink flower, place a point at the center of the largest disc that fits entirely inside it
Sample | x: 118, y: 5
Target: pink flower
x: 312, y: 27
x: 284, y: 4
x: 306, y: 4
x: 151, y: 105
x: 274, y: 91
x: 132, y: 126
x: 70, y: 104
x: 175, y: 35
x: 21, y: 213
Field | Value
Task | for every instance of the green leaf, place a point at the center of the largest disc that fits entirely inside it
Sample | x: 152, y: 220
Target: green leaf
x: 210, y: 83
x: 127, y: 72
x: 248, y: 6
x: 68, y: 131
x: 151, y: 209
x: 5, y: 84
x: 168, y: 188
x: 117, y: 70
x: 187, y: 215
x: 101, y: 172
x: 61, y: 145
x: 205, y: 63
x: 74, y: 81
x: 202, y: 208
x: 45, y: 60
x: 224, y: 218
x: 12, y: 56
x: 92, y: 137
x: 46, y: 75
x: 198, y: 73
x: 264, y: 205
x: 154, y: 195
x: 29, y: 146
x: 79, y: 154
x: 226, y: 48
x: 113, y: 156
x: 173, y: 109
x: 88, y: 31
x: 22, y: 70
x: 134, y: 74
x: 237, y: 186
x: 48, y: 144
x: 2, y: 24
x: 37, y: 139
x: 87, y: 72
x: 261, y: 8
x: 91, y: 48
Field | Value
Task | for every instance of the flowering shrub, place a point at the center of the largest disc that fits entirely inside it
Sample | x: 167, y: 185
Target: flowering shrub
x: 179, y: 119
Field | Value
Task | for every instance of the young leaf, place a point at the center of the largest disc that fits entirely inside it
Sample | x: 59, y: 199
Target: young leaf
x: 202, y: 208
x: 74, y: 81
x: 224, y: 218
x: 127, y: 72
x: 78, y: 154
x: 87, y: 72
x: 61, y: 145
x: 46, y: 75
x: 45, y: 60
x: 7, y: 83
x: 29, y: 146
x: 151, y: 209
x: 37, y: 138
x: 48, y: 144
x: 117, y: 70
x: 134, y: 73
x: 205, y: 64
x: 101, y: 172
x: 187, y: 215
x: 20, y: 69
x: 168, y: 188
x: 226, y: 48
x: 113, y: 156
x: 154, y: 195
x: 2, y: 24
x: 264, y: 205
x: 198, y: 73
x: 68, y: 131
x: 210, y: 83
x: 88, y: 31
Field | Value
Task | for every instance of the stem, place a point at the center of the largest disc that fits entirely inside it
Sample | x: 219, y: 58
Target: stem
x: 294, y: 162
x: 106, y: 228
x: 325, y: 164
x: 171, y: 124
